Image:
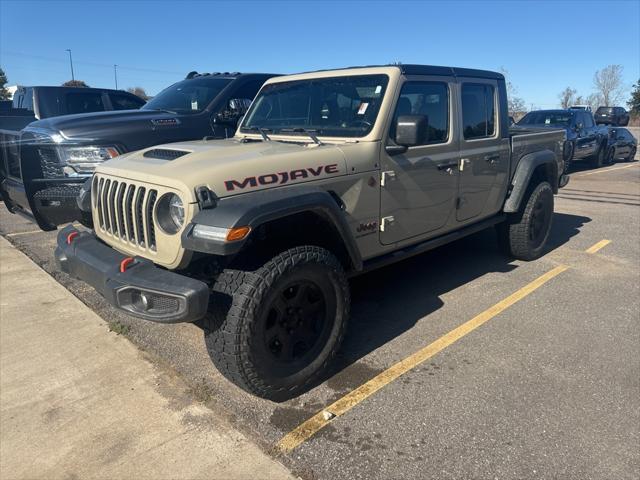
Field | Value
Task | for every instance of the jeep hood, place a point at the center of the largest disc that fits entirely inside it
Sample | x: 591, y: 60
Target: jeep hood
x: 229, y: 167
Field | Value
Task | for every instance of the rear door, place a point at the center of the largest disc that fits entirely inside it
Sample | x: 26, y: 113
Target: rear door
x: 484, y: 155
x: 418, y: 191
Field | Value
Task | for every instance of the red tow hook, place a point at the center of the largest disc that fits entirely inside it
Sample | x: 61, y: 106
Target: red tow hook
x: 125, y: 263
x: 71, y: 236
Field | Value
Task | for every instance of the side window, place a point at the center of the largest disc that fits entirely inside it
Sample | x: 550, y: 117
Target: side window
x: 430, y: 99
x: 248, y: 90
x: 84, y: 102
x: 125, y: 102
x: 588, y: 120
x: 478, y: 110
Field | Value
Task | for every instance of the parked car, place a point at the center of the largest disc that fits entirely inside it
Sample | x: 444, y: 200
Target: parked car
x: 580, y: 107
x: 622, y: 145
x: 37, y: 103
x: 616, y: 116
x: 585, y: 140
x: 330, y: 174
x: 42, y: 173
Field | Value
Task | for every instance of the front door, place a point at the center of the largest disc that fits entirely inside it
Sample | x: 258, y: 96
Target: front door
x: 419, y: 185
x: 484, y: 153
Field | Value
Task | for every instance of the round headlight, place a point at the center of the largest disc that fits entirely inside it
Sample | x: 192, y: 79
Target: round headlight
x: 170, y: 213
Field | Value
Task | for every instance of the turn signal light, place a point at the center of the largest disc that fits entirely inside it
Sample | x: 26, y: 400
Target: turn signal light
x: 238, y: 233
x: 71, y: 236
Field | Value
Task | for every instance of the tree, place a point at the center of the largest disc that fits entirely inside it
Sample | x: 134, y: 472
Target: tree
x: 608, y: 84
x: 75, y: 83
x: 594, y: 101
x: 139, y: 91
x: 4, y: 93
x: 567, y: 97
x: 516, y: 104
x: 634, y: 101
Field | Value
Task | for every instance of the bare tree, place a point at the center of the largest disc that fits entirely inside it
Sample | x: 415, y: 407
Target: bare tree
x: 74, y: 83
x: 594, y: 101
x: 609, y: 85
x: 516, y: 104
x: 139, y: 91
x: 567, y: 97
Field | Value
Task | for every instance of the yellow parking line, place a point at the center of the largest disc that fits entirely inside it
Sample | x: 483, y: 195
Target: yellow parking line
x: 598, y: 246
x: 606, y: 170
x: 320, y: 420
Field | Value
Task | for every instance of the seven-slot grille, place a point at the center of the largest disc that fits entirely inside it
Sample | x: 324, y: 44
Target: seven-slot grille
x: 125, y: 211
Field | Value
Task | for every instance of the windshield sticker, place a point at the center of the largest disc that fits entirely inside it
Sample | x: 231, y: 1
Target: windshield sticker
x: 194, y: 105
x: 378, y: 89
x: 363, y: 108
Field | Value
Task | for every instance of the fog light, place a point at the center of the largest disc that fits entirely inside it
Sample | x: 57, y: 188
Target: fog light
x: 141, y: 301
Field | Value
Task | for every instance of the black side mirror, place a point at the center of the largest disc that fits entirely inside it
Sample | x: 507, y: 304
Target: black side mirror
x: 235, y: 110
x: 411, y: 130
x: 579, y: 126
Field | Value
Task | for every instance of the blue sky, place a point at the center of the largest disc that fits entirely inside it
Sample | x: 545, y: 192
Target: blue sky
x: 545, y: 45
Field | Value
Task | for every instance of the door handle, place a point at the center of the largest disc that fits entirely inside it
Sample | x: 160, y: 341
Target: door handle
x: 446, y: 166
x: 492, y: 158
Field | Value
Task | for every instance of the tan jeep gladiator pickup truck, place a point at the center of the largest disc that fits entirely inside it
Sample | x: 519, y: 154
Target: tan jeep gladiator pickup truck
x: 330, y: 174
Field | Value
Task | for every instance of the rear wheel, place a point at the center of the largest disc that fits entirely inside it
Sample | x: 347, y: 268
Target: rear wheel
x: 611, y: 155
x: 284, y: 324
x: 524, y: 234
x: 598, y: 159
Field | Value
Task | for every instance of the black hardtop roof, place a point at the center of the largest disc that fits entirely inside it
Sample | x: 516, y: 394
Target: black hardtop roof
x: 414, y: 69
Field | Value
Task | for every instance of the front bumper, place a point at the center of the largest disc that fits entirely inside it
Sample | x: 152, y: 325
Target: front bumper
x: 140, y: 289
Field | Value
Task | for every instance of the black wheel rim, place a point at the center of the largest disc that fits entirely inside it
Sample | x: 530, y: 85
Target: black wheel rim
x: 540, y: 217
x: 296, y: 323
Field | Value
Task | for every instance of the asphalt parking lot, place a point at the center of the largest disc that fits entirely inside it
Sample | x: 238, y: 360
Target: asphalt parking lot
x: 543, y: 384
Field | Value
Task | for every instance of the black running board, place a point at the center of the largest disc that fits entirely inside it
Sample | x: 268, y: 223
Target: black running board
x: 418, y: 248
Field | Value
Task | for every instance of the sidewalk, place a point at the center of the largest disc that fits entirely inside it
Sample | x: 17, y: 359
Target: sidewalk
x: 78, y: 401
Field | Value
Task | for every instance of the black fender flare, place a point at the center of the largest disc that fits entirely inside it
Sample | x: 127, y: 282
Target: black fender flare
x: 257, y: 208
x: 526, y: 166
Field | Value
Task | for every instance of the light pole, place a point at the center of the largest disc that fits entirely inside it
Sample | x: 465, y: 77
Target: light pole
x: 71, y: 63
x: 115, y: 74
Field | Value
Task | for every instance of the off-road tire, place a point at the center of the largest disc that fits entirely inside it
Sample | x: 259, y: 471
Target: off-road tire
x: 234, y: 331
x: 515, y: 234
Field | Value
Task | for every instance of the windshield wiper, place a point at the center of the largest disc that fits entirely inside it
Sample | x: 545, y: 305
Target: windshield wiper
x: 310, y: 132
x: 162, y: 110
x: 261, y: 131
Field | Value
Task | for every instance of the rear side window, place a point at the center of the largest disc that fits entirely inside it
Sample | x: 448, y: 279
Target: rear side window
x: 125, y: 102
x: 84, y: 102
x: 24, y: 100
x: 430, y: 99
x: 478, y: 110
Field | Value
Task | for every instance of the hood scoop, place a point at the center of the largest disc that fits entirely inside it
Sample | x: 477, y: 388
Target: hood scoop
x: 164, y: 154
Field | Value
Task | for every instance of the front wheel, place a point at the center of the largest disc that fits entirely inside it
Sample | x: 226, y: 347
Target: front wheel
x: 524, y: 234
x: 285, y: 323
x: 632, y: 155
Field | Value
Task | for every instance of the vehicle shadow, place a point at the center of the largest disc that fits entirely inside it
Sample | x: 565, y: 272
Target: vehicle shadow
x: 388, y: 302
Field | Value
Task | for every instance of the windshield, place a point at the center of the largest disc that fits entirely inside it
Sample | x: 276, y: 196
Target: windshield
x: 344, y: 106
x: 547, y: 118
x: 605, y: 110
x: 188, y: 96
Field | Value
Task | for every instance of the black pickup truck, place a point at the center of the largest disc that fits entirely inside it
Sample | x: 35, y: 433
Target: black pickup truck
x: 37, y: 103
x: 586, y: 141
x: 41, y: 174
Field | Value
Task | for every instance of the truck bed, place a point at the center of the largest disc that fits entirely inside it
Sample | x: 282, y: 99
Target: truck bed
x: 533, y: 139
